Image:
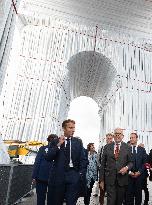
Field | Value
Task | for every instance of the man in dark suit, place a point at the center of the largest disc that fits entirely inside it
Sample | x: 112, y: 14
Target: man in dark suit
x: 109, y: 139
x: 69, y: 168
x: 137, y: 174
x: 41, y: 171
x: 115, y: 163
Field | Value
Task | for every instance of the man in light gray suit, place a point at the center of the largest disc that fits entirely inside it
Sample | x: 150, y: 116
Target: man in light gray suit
x: 115, y: 163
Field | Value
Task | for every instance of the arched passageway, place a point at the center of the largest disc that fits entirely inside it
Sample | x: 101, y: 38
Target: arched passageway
x: 90, y: 74
x: 84, y: 110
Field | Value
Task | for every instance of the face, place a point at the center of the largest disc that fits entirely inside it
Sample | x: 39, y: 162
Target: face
x: 109, y: 139
x: 92, y: 148
x: 118, y: 135
x: 69, y: 129
x: 133, y: 139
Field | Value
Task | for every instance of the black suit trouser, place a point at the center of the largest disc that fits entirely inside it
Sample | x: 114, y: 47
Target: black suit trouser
x: 115, y: 194
x: 88, y: 194
x: 134, y: 191
x: 146, y: 191
x: 68, y: 189
x: 41, y: 190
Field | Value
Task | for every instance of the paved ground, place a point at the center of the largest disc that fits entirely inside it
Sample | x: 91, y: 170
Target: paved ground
x: 94, y: 200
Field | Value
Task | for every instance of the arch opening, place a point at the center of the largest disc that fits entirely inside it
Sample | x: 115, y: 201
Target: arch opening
x: 84, y: 110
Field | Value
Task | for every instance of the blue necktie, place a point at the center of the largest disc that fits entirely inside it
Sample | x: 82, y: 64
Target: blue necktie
x: 134, y: 150
x: 134, y: 154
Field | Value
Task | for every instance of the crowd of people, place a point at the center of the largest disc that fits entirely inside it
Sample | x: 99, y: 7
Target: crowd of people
x: 64, y: 170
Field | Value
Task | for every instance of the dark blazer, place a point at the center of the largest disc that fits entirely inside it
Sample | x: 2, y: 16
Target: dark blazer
x: 42, y: 167
x: 150, y: 162
x: 83, y: 180
x: 78, y: 156
x: 139, y: 160
x: 110, y: 167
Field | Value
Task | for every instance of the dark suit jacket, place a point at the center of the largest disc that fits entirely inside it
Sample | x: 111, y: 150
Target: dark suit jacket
x: 150, y: 162
x: 83, y: 180
x: 78, y: 156
x: 139, y: 160
x: 150, y: 157
x: 110, y: 167
x: 42, y: 167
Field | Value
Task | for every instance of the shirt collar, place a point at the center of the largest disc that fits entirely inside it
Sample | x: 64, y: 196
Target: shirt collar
x: 119, y: 143
x: 66, y: 138
x: 133, y: 147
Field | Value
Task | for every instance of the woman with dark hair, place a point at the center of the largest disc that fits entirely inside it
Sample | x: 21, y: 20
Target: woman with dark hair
x: 91, y: 171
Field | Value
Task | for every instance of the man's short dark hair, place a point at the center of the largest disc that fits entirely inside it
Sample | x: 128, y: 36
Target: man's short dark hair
x: 65, y: 122
x: 52, y: 137
x: 109, y: 134
x: 134, y: 133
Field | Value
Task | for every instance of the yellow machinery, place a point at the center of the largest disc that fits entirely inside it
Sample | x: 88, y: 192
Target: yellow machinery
x: 17, y: 147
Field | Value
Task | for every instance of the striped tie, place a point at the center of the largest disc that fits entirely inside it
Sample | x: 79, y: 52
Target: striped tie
x: 117, y: 151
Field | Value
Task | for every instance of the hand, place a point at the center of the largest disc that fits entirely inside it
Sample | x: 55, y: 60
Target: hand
x: 101, y: 185
x: 137, y: 174
x: 33, y: 181
x: 81, y: 176
x: 123, y: 170
x: 141, y: 145
x: 132, y: 174
x: 61, y: 141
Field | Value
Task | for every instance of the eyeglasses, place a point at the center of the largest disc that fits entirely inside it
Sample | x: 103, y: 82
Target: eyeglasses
x: 117, y: 133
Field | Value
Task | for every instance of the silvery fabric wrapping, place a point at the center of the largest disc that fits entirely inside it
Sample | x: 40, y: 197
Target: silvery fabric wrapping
x: 4, y: 156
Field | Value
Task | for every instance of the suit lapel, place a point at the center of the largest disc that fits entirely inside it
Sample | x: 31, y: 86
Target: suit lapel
x: 121, y: 150
x: 121, y: 147
x: 112, y: 149
x: 137, y: 152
